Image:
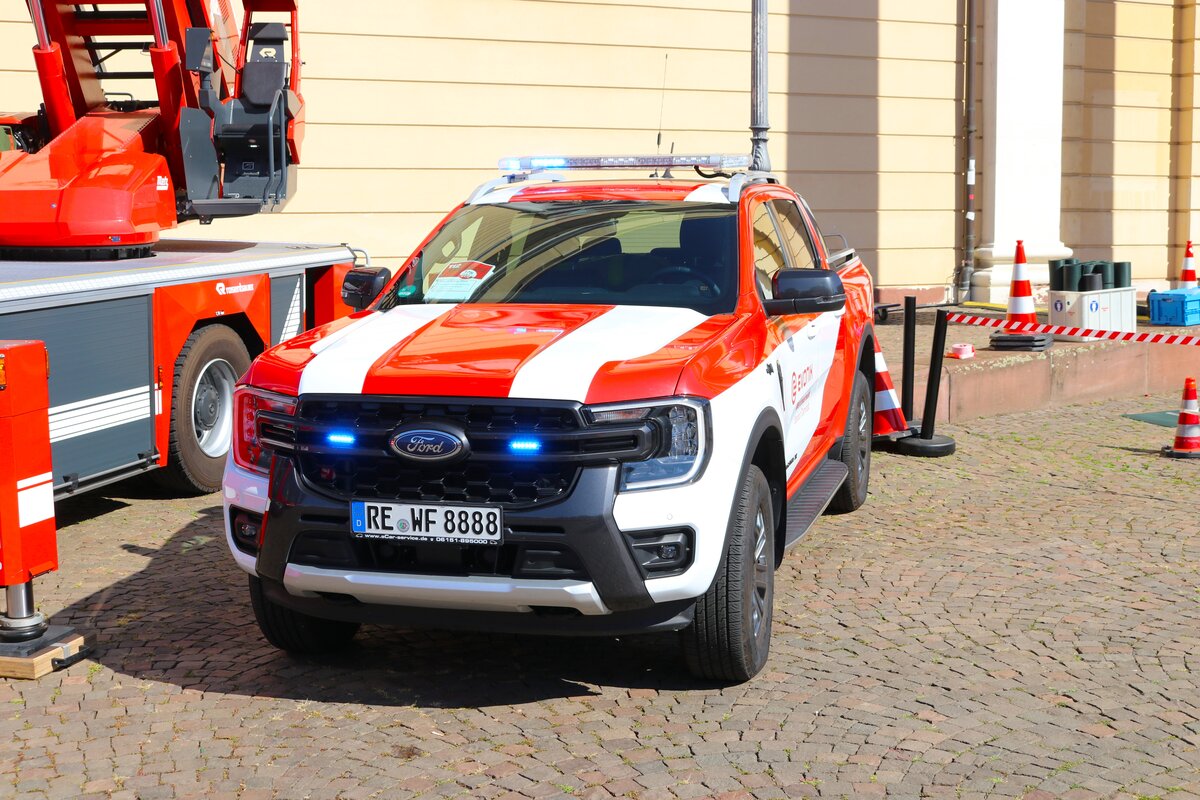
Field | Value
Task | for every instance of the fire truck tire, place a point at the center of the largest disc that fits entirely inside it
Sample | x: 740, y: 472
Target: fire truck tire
x: 856, y: 448
x: 730, y: 635
x: 211, y: 361
x: 297, y: 632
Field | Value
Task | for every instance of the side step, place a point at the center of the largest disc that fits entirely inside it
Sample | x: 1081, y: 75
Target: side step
x: 812, y: 499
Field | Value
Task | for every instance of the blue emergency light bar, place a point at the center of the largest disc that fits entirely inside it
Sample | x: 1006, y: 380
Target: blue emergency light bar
x: 720, y: 162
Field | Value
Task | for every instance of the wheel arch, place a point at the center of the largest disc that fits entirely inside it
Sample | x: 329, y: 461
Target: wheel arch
x: 240, y: 324
x: 764, y: 449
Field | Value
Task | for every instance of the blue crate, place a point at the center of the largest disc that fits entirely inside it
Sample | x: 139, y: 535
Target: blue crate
x: 1175, y: 307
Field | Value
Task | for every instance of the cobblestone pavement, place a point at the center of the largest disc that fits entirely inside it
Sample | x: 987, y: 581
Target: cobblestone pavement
x: 1019, y: 620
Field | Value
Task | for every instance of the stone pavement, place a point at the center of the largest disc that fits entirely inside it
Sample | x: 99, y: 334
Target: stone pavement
x: 1021, y: 620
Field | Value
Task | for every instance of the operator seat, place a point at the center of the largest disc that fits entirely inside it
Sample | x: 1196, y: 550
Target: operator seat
x: 251, y: 129
x: 247, y: 134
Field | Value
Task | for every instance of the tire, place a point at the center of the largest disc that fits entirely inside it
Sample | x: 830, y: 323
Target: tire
x: 730, y: 635
x: 294, y: 631
x: 856, y: 448
x: 211, y: 361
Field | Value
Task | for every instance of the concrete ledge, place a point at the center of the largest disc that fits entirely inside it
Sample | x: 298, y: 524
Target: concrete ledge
x: 1007, y: 382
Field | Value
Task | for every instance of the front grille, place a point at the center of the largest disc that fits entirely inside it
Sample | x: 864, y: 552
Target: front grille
x: 490, y: 474
x: 385, y: 477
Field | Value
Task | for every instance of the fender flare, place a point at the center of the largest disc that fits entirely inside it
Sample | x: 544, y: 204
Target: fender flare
x: 767, y: 420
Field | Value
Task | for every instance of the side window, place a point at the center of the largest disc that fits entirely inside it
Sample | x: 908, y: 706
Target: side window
x: 768, y: 253
x: 795, y: 235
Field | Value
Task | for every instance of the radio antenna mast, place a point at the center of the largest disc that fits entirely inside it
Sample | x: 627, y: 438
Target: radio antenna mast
x: 760, y: 161
x: 662, y: 102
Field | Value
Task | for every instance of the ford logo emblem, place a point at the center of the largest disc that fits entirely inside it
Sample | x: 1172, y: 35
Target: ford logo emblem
x: 427, y: 444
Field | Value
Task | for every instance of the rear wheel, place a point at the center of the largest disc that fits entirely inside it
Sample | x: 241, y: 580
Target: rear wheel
x: 297, y: 632
x: 856, y: 448
x: 208, y: 366
x: 730, y: 636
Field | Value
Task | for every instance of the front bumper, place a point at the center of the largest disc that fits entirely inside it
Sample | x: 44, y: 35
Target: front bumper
x: 614, y: 596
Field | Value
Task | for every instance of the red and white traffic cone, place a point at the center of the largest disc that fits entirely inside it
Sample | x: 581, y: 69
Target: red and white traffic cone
x: 1187, y: 275
x: 889, y: 417
x: 1187, y: 435
x: 1020, y: 293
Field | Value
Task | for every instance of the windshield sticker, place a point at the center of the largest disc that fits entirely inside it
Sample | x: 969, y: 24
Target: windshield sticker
x: 458, y: 281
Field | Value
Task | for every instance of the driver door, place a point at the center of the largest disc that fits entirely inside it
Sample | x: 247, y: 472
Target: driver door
x: 804, y: 357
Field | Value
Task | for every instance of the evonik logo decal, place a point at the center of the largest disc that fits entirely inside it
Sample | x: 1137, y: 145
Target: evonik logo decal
x: 237, y: 288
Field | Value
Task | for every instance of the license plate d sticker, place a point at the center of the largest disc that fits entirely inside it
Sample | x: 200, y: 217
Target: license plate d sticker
x: 426, y: 523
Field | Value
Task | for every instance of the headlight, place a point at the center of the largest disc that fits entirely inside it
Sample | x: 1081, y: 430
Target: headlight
x: 684, y: 434
x: 248, y: 450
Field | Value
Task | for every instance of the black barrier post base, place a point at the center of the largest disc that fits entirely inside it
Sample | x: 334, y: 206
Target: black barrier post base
x: 935, y: 446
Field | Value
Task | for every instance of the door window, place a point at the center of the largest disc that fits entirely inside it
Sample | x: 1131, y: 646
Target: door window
x: 768, y: 253
x: 795, y: 235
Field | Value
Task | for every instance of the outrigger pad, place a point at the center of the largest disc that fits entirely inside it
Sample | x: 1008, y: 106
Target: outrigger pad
x: 57, y: 648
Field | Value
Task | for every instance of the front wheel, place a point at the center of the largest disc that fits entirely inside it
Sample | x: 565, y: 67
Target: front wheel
x: 730, y: 636
x: 208, y: 366
x: 297, y: 632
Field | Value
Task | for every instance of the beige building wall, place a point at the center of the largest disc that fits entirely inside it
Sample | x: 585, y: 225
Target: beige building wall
x: 410, y: 105
x: 1119, y: 125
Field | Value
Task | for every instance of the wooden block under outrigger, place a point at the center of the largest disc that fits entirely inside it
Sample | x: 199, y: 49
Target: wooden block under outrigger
x: 58, y: 648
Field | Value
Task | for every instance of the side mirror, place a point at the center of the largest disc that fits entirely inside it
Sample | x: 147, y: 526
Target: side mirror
x: 806, y: 291
x: 363, y: 284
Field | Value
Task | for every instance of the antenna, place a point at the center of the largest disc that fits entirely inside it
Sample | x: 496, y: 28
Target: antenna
x: 760, y: 161
x: 661, y: 104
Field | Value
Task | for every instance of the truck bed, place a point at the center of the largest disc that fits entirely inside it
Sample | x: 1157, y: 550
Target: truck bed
x: 34, y: 284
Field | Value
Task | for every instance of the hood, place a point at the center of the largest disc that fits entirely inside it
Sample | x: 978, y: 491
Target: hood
x: 582, y: 353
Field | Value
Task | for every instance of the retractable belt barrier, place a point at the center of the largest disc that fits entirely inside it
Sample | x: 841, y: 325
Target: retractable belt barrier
x: 1066, y: 330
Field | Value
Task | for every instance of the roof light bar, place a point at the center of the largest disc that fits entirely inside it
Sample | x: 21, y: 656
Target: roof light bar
x: 715, y: 162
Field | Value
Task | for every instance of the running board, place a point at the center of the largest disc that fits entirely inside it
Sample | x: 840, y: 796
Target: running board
x: 813, y: 498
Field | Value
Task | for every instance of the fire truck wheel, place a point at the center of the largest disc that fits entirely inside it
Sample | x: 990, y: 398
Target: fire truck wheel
x: 856, y: 448
x: 211, y: 361
x: 294, y: 631
x: 730, y: 635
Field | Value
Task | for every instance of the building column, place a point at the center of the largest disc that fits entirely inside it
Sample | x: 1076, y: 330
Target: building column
x: 1022, y: 143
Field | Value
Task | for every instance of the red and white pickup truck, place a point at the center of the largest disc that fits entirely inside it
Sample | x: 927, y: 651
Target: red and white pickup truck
x: 580, y: 408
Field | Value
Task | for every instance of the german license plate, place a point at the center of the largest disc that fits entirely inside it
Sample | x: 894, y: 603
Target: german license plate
x: 421, y: 523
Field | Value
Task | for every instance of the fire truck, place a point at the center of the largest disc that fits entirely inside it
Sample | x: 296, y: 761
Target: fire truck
x: 155, y: 113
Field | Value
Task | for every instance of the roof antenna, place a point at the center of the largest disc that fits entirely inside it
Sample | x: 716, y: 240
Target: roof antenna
x: 759, y: 160
x: 662, y: 103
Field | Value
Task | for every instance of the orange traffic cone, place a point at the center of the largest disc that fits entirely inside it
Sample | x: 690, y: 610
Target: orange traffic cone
x: 889, y: 417
x: 1020, y: 293
x: 1187, y: 435
x: 1187, y: 275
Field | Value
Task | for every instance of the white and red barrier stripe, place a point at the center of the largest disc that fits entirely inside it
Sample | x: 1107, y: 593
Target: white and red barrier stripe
x: 1066, y: 330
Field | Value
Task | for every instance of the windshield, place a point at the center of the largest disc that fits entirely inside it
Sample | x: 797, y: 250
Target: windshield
x: 596, y: 252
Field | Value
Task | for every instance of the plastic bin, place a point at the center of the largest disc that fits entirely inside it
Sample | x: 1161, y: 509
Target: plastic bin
x: 1175, y: 307
x: 1101, y: 310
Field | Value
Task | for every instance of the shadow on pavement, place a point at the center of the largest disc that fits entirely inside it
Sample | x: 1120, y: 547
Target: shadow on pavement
x: 185, y: 619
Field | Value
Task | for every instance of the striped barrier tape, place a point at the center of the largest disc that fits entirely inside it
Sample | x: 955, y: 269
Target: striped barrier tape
x: 1064, y: 330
